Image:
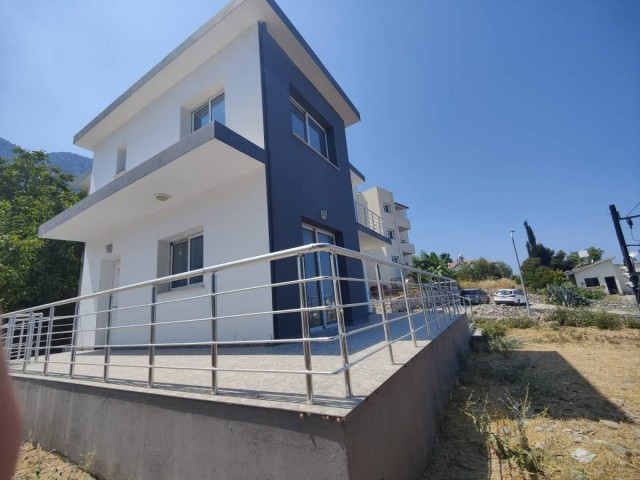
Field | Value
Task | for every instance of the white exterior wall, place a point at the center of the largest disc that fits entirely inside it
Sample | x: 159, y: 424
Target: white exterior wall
x: 600, y: 271
x: 374, y: 199
x: 235, y: 69
x: 234, y: 221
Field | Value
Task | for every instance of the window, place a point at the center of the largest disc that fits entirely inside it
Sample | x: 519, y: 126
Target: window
x: 121, y: 161
x: 213, y: 110
x: 395, y: 259
x: 592, y: 282
x: 187, y: 254
x: 391, y: 234
x: 307, y: 129
x: 386, y: 207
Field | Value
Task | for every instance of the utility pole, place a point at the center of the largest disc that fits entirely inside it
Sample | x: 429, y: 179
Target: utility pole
x: 628, y: 261
x: 524, y: 290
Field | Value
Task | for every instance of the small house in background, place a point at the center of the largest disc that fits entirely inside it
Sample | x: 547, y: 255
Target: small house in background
x: 603, y: 274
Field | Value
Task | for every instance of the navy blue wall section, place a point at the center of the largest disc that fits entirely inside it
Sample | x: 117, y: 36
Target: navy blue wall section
x: 301, y: 183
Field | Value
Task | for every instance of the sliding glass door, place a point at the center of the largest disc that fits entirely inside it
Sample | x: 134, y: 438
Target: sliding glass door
x: 318, y: 293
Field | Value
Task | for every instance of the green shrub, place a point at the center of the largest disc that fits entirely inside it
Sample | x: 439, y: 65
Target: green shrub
x: 492, y: 330
x: 580, y: 317
x: 504, y: 344
x: 566, y: 294
x: 591, y: 293
x: 563, y: 316
x: 518, y: 322
x: 630, y: 322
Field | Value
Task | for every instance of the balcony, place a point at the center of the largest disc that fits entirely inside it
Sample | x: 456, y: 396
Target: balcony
x: 197, y: 163
x: 371, y: 232
x: 403, y: 223
x: 407, y: 248
x: 369, y: 219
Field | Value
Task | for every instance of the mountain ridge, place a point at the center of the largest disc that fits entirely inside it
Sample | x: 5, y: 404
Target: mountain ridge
x: 68, y: 162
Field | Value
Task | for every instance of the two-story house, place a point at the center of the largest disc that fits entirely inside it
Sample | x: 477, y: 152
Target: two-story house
x: 232, y: 146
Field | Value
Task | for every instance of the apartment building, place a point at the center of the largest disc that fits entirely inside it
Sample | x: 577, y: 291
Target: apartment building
x: 377, y: 207
x: 232, y: 146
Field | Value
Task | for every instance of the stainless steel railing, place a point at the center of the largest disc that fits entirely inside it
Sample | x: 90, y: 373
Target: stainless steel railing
x: 369, y: 219
x: 61, y: 334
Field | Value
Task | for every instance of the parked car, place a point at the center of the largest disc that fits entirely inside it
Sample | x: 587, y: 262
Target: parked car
x: 509, y: 297
x: 476, y: 296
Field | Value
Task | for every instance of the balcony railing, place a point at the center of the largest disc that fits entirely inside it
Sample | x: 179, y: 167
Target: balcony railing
x: 369, y: 219
x: 46, y: 340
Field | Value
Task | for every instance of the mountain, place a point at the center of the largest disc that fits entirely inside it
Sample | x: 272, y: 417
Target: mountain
x: 67, y: 162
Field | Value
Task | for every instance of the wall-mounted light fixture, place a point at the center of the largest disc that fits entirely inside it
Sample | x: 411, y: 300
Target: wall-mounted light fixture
x: 323, y: 215
x: 108, y: 248
x: 162, y: 197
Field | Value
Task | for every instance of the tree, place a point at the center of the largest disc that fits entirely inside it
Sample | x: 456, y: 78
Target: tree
x: 537, y: 250
x: 537, y: 276
x: 434, y: 263
x: 595, y: 254
x: 33, y: 270
x: 482, y: 269
x: 560, y: 261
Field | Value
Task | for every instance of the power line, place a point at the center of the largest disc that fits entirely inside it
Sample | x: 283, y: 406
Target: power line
x: 637, y: 204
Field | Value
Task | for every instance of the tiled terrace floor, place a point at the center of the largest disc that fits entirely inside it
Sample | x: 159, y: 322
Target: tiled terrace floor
x: 179, y: 374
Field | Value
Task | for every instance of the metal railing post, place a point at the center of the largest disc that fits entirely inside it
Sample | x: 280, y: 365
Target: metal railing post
x: 344, y: 350
x: 385, y: 320
x: 306, y: 333
x: 152, y: 336
x: 74, y: 328
x: 22, y: 344
x: 214, y: 336
x: 424, y: 306
x: 10, y: 333
x: 27, y: 348
x: 107, y: 341
x: 39, y: 321
x: 47, y: 351
x: 434, y: 302
x: 409, y: 309
x: 454, y: 303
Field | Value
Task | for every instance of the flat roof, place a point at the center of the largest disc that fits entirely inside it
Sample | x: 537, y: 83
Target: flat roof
x: 233, y: 19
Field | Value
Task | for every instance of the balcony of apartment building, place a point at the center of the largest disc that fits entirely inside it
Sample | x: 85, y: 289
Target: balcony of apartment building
x: 407, y: 248
x: 371, y: 232
x: 401, y: 219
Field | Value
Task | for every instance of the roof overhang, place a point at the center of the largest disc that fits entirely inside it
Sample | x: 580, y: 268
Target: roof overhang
x: 357, y: 177
x: 235, y: 18
x: 199, y: 162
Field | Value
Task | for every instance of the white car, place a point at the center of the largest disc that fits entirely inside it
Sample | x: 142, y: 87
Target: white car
x: 509, y: 297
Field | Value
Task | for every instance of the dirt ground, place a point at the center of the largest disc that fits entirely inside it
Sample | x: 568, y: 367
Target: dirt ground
x: 570, y: 391
x: 36, y: 463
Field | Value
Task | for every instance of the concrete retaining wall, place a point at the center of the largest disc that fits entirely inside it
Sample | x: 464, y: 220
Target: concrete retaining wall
x: 151, y: 435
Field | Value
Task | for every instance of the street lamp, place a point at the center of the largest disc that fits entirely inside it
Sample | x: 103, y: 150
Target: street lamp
x: 526, y: 298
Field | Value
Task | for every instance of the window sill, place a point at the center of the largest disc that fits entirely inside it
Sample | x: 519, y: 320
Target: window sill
x: 304, y: 142
x: 177, y: 290
x: 119, y: 174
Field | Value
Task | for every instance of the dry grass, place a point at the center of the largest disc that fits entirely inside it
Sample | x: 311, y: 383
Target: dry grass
x: 36, y: 463
x: 576, y: 377
x: 489, y: 284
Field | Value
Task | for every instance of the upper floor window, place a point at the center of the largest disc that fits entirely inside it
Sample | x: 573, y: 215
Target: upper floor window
x: 186, y: 255
x: 386, y: 207
x: 305, y: 127
x: 391, y: 234
x: 213, y: 110
x: 121, y: 160
x: 395, y: 259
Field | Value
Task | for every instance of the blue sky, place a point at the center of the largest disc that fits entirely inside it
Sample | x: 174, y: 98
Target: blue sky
x: 477, y: 114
